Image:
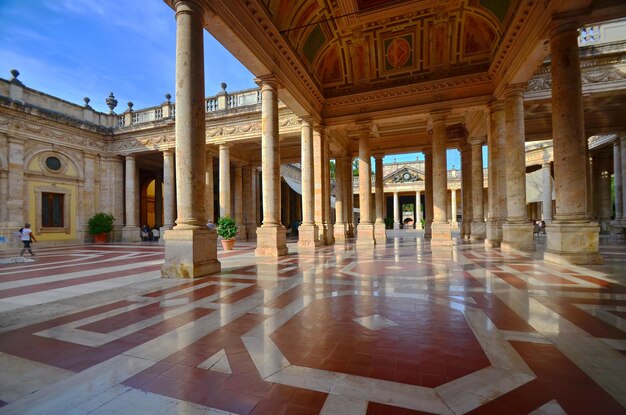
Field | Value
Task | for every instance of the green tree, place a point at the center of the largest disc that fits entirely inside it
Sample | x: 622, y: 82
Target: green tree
x: 332, y: 169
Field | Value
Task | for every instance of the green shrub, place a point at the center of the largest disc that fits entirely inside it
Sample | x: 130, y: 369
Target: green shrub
x: 226, y: 227
x: 100, y: 223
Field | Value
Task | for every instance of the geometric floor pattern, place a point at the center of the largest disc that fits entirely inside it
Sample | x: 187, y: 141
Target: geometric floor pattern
x: 397, y: 329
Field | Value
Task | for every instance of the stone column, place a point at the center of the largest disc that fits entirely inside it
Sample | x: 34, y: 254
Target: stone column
x: 396, y: 211
x: 318, y: 184
x: 441, y: 232
x: 380, y: 233
x: 190, y: 248
x: 130, y: 233
x: 623, y: 171
x: 158, y: 201
x: 272, y: 235
x: 169, y: 190
x: 239, y: 217
x: 328, y: 223
x: 209, y: 205
x: 418, y: 210
x: 340, y: 195
x: 348, y: 189
x: 466, y: 190
x: 365, y: 228
x: 478, y: 228
x: 603, y: 191
x: 546, y: 197
x: 617, y: 175
x: 517, y: 232
x: 255, y: 201
x: 248, y: 213
x: 224, y: 181
x: 453, y: 223
x: 428, y: 190
x: 308, y: 234
x: 496, y: 211
x: 571, y: 237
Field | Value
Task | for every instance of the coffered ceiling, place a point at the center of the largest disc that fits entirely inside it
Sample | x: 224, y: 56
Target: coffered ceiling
x: 350, y: 46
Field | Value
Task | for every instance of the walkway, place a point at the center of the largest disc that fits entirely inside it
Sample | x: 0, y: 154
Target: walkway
x: 396, y: 330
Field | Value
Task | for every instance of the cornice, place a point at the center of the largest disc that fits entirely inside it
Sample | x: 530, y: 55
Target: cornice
x: 37, y: 128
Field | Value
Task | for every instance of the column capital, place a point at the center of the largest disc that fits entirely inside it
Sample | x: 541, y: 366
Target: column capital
x: 514, y: 89
x: 378, y: 156
x: 439, y: 115
x: 307, y: 121
x: 267, y: 81
x: 224, y: 146
x: 188, y: 7
x: 364, y: 126
x: 476, y: 141
x: 558, y: 26
x: 496, y: 106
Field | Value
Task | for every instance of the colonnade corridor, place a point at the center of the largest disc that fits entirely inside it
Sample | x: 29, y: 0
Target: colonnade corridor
x: 395, y: 329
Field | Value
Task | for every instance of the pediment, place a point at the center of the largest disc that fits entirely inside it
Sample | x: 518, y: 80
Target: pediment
x: 403, y: 175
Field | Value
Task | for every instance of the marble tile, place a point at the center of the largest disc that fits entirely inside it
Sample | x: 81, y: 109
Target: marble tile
x: 218, y: 362
x: 375, y: 322
x: 267, y: 358
x: 471, y: 391
x: 550, y: 408
x: 21, y: 377
x: 140, y: 402
x: 343, y: 405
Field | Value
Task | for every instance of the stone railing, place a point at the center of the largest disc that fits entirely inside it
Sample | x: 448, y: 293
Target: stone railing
x: 220, y: 102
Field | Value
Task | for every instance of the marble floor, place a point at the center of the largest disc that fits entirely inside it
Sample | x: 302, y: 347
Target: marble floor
x: 399, y: 329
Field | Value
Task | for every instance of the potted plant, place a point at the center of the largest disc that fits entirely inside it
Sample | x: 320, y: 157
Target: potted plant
x: 100, y: 225
x: 227, y: 230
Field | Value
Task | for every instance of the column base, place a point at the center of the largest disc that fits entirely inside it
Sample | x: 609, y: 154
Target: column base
x: 517, y: 237
x: 321, y: 232
x: 271, y: 241
x: 190, y: 253
x: 478, y: 231
x: 493, y: 233
x: 131, y: 234
x: 441, y: 234
x: 365, y: 235
x: 380, y: 233
x: 340, y: 229
x: 574, y: 243
x: 330, y: 233
x: 454, y: 225
x: 308, y: 236
x: 428, y: 230
x: 350, y: 231
x: 396, y: 226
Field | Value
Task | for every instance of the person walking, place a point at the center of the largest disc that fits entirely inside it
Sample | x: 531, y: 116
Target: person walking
x: 27, y: 236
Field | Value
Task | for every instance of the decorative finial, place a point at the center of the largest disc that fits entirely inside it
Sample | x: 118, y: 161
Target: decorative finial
x: 15, y: 74
x: 168, y: 96
x: 111, y: 102
x: 87, y: 101
x: 130, y: 105
x: 223, y: 85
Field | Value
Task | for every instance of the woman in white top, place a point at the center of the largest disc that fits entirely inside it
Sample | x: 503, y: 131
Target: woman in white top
x: 27, y: 235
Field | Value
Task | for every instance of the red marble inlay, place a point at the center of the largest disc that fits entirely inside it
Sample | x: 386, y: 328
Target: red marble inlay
x: 429, y: 339
x: 557, y: 378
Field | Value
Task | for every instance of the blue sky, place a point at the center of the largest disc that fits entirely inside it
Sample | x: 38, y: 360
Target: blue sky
x: 77, y: 48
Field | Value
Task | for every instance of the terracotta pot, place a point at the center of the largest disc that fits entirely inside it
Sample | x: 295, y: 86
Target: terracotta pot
x: 100, y: 238
x: 228, y: 244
